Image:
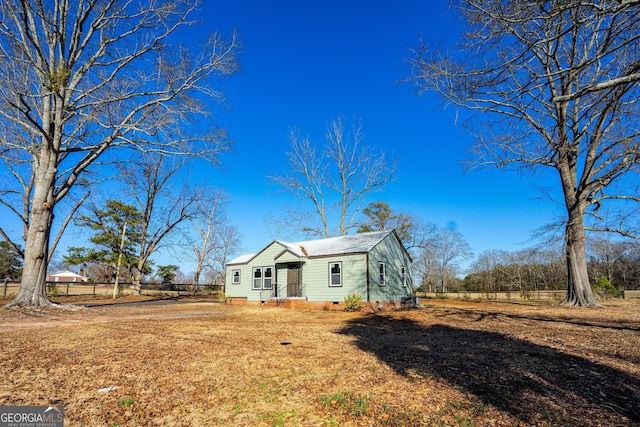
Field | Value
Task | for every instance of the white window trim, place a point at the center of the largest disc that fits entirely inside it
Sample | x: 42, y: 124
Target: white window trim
x: 264, y: 278
x: 331, y: 285
x: 253, y: 278
x: 382, y: 276
x: 233, y: 277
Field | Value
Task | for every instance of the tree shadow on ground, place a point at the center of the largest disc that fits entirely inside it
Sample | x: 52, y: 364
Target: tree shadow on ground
x: 599, y: 322
x: 528, y: 381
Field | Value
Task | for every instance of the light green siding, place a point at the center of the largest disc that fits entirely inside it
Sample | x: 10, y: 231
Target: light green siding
x: 391, y: 253
x: 245, y: 289
x: 359, y: 273
x: 287, y: 256
x: 315, y: 277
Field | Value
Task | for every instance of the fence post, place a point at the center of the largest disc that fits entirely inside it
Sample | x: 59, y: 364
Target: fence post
x: 94, y: 290
x: 4, y: 290
x: 67, y: 288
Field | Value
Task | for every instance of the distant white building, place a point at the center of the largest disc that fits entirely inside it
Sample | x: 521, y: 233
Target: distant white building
x: 67, y: 277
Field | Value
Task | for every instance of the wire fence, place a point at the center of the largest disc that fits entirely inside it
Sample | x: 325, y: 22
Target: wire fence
x: 525, y: 295
x: 95, y: 289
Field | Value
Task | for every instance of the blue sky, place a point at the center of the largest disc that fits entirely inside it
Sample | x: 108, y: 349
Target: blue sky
x: 307, y: 62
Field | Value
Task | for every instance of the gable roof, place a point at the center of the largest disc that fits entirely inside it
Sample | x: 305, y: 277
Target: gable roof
x: 349, y: 244
x: 342, y: 245
x: 242, y: 259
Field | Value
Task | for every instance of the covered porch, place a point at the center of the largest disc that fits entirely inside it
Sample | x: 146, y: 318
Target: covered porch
x: 288, y: 287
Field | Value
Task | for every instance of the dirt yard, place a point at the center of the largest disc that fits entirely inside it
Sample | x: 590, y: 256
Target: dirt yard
x: 193, y: 362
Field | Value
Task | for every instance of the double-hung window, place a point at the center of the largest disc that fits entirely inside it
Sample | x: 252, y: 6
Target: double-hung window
x: 403, y: 276
x: 262, y: 278
x: 267, y: 281
x: 235, y: 277
x: 335, y: 274
x: 382, y: 276
x: 257, y: 278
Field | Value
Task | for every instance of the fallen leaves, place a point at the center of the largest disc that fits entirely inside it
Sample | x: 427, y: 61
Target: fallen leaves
x: 452, y: 363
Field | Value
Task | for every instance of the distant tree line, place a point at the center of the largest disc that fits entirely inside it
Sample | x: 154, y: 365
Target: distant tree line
x: 611, y: 265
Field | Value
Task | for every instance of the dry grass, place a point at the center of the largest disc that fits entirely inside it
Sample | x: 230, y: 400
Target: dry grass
x: 452, y: 363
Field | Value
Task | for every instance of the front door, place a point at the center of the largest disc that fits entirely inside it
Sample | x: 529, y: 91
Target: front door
x: 293, y: 281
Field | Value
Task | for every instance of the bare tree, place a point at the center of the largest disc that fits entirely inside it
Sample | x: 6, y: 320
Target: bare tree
x: 216, y: 240
x: 607, y: 256
x: 336, y: 182
x: 88, y: 78
x: 163, y: 205
x: 528, y: 269
x: 448, y: 250
x: 424, y: 269
x: 486, y: 265
x: 229, y: 245
x: 552, y: 85
x: 439, y: 261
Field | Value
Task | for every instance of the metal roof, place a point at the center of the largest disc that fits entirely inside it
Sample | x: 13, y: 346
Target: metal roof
x: 242, y: 259
x: 349, y: 244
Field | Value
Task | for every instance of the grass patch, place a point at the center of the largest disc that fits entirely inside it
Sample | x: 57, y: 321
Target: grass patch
x: 278, y: 418
x: 126, y: 402
x: 347, y: 403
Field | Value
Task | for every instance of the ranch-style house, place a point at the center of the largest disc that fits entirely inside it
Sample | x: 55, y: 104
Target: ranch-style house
x: 322, y: 272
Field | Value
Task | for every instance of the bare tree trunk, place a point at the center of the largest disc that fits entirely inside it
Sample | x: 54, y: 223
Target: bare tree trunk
x: 136, y: 279
x: 196, y: 276
x: 33, y: 290
x: 116, y: 288
x: 579, y: 291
